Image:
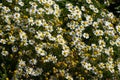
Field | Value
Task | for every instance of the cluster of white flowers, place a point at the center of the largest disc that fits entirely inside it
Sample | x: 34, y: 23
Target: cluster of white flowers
x: 57, y: 39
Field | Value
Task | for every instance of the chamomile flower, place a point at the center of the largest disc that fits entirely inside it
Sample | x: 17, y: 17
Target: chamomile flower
x: 65, y: 53
x: 22, y: 35
x: 29, y: 70
x: 17, y: 8
x: 86, y: 35
x: 33, y: 61
x: 39, y: 35
x: 3, y: 41
x: 14, y: 49
x: 117, y: 42
x: 40, y: 52
x: 102, y: 43
x: 31, y: 42
x: 91, y: 7
x: 4, y: 52
x: 8, y: 27
x: 101, y: 65
x: 21, y: 3
x: 68, y: 77
x: 118, y: 28
x: 86, y: 65
x: 40, y: 10
x: 98, y: 32
x: 83, y: 8
x: 21, y: 63
x: 110, y: 15
x: 95, y: 24
x: 38, y: 71
x: 118, y: 65
x: 16, y: 15
x: 88, y: 1
x: 38, y: 22
x: 10, y: 1
x: 30, y: 21
x: 95, y: 10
